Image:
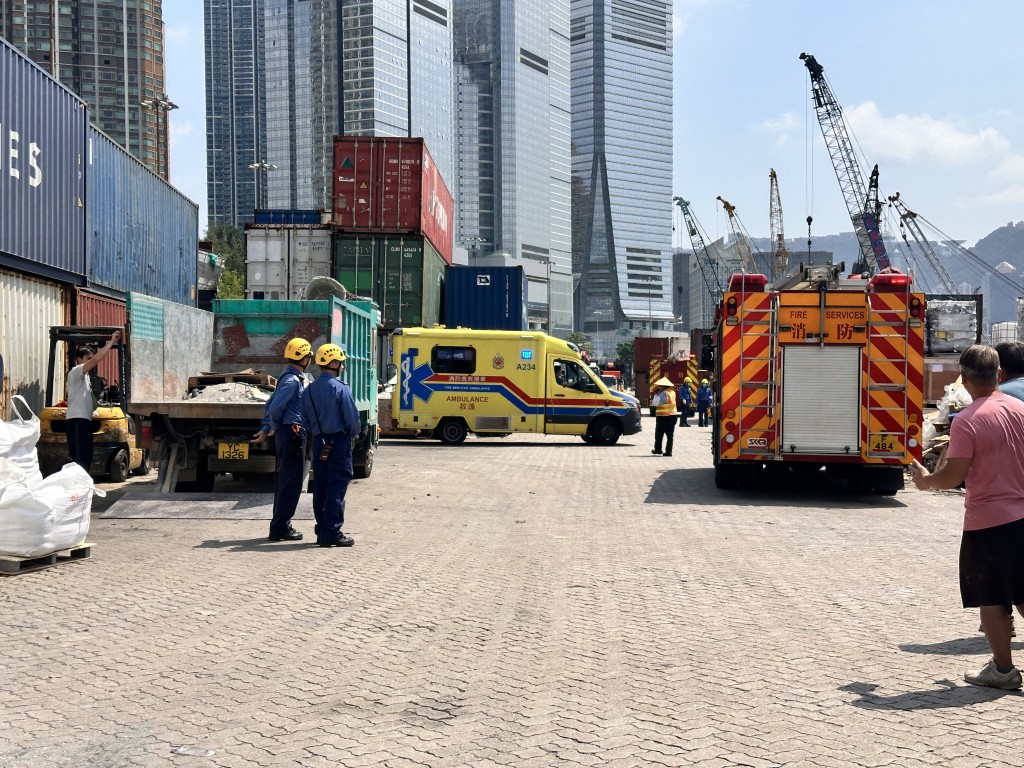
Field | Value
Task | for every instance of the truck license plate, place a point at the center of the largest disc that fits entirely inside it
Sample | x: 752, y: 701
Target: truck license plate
x: 233, y: 451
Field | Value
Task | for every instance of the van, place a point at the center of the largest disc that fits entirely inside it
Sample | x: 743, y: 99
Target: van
x: 496, y: 383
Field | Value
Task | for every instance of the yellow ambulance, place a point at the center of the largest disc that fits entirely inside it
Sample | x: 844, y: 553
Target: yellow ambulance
x: 453, y: 381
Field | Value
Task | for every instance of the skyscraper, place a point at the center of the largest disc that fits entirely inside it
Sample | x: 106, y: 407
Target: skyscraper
x: 513, y: 194
x: 235, y: 132
x: 109, y: 52
x: 322, y: 68
x: 622, y: 167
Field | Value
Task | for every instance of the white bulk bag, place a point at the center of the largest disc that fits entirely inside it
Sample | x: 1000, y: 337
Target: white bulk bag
x: 37, y: 518
x: 18, y: 439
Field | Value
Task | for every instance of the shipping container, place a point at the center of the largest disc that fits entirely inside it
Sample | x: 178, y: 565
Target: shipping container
x: 391, y: 185
x: 42, y: 172
x: 29, y: 306
x: 486, y: 298
x: 143, y: 233
x: 281, y: 260
x: 403, y: 275
x: 93, y: 309
x: 296, y: 217
x: 1006, y: 331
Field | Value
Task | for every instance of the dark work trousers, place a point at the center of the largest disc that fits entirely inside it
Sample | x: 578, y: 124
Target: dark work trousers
x: 664, y: 427
x: 703, y: 420
x: 684, y: 414
x: 291, y: 466
x: 330, y: 483
x: 79, y: 433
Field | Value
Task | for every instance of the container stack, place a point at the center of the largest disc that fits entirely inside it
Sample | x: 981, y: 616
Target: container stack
x: 486, y: 298
x: 393, y: 220
x: 284, y: 250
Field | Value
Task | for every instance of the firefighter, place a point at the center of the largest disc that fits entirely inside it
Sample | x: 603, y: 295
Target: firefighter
x: 705, y: 400
x: 282, y: 419
x: 665, y: 414
x: 685, y: 402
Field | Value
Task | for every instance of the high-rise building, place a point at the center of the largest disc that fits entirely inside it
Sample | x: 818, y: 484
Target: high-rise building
x: 109, y: 52
x: 513, y: 193
x: 622, y: 167
x: 323, y: 68
x: 237, y: 168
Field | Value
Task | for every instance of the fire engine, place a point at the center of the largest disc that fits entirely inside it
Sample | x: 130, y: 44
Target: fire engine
x: 819, y: 371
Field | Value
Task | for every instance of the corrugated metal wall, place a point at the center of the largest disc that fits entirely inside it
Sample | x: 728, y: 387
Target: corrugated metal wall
x: 28, y: 307
x: 143, y: 233
x: 95, y: 310
x: 42, y: 182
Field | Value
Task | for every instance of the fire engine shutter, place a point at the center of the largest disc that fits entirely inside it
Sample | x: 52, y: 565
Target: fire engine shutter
x: 821, y: 400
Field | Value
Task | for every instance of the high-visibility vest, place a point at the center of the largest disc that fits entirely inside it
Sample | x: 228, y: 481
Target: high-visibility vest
x: 668, y: 408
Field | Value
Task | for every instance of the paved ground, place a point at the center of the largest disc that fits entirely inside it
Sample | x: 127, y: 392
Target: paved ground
x: 523, y: 602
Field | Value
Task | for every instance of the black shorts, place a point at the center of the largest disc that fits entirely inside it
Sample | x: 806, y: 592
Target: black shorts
x: 992, y: 566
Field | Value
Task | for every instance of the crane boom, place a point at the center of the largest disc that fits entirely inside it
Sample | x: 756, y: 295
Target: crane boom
x: 861, y: 201
x: 744, y: 248
x: 780, y: 254
x: 908, y: 219
x: 708, y: 265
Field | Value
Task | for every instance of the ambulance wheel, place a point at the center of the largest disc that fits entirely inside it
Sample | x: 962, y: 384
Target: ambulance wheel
x: 451, y: 431
x: 604, y: 432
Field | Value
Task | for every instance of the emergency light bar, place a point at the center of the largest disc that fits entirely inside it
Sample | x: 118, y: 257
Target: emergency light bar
x: 748, y: 283
x: 891, y: 283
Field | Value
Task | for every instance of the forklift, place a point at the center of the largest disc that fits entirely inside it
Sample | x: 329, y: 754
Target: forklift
x: 116, y: 451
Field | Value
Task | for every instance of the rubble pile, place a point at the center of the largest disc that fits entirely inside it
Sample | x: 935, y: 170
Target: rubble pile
x: 231, y: 392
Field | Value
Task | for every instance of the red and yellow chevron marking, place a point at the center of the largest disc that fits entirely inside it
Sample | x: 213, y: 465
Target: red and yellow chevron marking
x: 745, y: 351
x: 691, y: 371
x: 653, y: 376
x: 893, y: 371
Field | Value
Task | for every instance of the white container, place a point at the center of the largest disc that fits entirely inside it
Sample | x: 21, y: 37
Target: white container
x: 1004, y: 332
x: 952, y: 325
x: 281, y: 260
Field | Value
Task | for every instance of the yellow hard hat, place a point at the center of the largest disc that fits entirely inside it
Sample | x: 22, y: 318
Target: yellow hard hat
x: 703, y: 381
x: 328, y: 353
x: 688, y: 380
x: 297, y: 349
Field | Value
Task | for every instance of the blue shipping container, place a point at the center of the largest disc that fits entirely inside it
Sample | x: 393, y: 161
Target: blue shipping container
x: 486, y: 298
x: 143, y: 233
x: 42, y: 171
x: 286, y: 216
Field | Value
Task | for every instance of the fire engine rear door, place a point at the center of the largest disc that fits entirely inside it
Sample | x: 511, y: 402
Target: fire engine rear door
x: 821, y: 398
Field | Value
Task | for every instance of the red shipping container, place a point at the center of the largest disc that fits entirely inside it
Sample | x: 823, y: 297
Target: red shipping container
x: 390, y: 185
x: 93, y: 309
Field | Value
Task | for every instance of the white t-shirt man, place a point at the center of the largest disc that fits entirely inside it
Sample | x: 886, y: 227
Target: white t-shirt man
x: 79, y: 393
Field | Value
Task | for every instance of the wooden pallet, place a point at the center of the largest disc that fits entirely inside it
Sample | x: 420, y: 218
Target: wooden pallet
x: 11, y: 566
x: 210, y: 379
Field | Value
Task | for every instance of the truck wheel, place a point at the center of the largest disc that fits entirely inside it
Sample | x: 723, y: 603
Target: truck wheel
x: 119, y: 466
x: 145, y: 467
x: 363, y: 469
x: 451, y: 431
x: 726, y: 477
x: 605, y: 432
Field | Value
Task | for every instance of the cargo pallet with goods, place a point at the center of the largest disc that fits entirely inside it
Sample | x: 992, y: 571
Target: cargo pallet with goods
x: 12, y: 566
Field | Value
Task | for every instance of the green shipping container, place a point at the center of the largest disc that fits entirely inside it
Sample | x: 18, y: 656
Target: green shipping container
x: 402, y: 274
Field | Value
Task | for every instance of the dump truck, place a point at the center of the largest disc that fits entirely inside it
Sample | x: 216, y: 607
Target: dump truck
x: 200, y: 380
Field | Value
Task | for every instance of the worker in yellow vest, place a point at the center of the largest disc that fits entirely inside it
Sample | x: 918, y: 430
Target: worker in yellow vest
x: 665, y: 414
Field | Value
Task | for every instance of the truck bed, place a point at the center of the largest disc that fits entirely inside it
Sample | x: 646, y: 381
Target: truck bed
x: 184, y: 409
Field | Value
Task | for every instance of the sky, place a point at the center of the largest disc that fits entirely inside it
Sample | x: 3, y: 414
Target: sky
x: 930, y: 90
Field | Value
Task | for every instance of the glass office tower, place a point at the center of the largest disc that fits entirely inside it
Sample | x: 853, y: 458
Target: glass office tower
x: 514, y: 155
x: 622, y: 168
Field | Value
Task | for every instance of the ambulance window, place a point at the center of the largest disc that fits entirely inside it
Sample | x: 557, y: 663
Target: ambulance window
x: 453, y: 360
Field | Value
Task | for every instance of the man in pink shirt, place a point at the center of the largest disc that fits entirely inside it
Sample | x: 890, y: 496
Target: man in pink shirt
x: 986, y: 448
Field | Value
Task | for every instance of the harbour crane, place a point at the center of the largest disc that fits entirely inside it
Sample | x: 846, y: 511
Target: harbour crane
x: 744, y: 247
x: 861, y: 200
x: 908, y: 221
x: 709, y: 266
x: 780, y: 254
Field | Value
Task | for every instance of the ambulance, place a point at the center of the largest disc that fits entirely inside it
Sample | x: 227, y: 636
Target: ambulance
x: 494, y: 383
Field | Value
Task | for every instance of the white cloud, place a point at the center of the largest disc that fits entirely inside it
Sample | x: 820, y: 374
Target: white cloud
x: 181, y: 130
x: 1010, y: 168
x: 781, y: 127
x: 1012, y: 195
x: 678, y: 24
x: 913, y: 138
x: 179, y: 33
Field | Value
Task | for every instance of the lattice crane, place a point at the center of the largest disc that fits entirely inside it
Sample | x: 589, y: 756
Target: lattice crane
x: 908, y: 221
x: 780, y: 254
x: 744, y: 248
x: 709, y: 265
x: 861, y: 200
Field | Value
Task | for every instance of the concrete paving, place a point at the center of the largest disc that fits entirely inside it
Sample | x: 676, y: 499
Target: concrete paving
x: 531, y: 601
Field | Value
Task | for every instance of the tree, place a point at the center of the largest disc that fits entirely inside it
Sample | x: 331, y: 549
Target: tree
x: 582, y: 341
x: 229, y: 244
x: 624, y: 357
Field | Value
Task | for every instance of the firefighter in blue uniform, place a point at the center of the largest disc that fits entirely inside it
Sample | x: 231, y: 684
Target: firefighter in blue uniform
x: 282, y: 419
x: 330, y: 414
